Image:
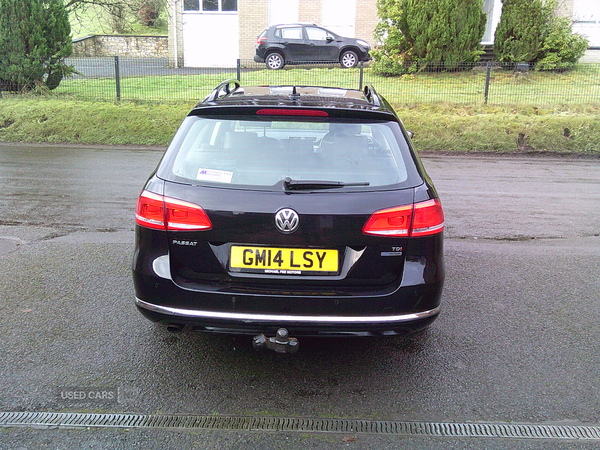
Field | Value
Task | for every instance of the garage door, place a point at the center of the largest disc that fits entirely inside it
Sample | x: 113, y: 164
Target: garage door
x: 339, y: 16
x: 210, y: 40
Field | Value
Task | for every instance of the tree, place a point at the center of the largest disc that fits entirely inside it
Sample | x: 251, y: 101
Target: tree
x: 149, y: 10
x: 120, y: 15
x: 529, y: 31
x: 428, y: 33
x: 35, y: 38
x: 520, y: 32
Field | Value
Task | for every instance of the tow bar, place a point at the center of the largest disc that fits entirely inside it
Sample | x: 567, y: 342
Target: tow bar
x: 281, y: 343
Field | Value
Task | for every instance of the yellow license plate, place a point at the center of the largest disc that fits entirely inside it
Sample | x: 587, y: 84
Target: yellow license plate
x: 283, y: 261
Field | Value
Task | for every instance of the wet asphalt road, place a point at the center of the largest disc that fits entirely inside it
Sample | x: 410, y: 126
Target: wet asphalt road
x: 517, y: 340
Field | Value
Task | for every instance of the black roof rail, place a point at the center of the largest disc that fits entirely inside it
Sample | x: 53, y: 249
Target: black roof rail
x: 371, y: 95
x: 222, y: 88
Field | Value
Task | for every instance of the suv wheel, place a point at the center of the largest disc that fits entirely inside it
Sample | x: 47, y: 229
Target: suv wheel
x: 349, y: 59
x: 275, y: 61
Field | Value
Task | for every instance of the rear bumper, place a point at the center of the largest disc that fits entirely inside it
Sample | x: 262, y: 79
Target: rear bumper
x: 348, y: 307
x: 298, y: 325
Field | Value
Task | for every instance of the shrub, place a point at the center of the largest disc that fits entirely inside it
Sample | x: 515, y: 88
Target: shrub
x: 561, y: 49
x: 35, y: 37
x: 530, y: 32
x: 428, y: 34
x: 388, y: 59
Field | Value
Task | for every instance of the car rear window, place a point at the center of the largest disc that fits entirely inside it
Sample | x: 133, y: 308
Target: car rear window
x: 261, y: 154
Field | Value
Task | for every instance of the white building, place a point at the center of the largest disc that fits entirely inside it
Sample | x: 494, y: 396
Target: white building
x: 586, y: 20
x: 215, y: 33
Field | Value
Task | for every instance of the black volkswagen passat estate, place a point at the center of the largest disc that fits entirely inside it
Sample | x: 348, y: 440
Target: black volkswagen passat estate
x: 304, y: 208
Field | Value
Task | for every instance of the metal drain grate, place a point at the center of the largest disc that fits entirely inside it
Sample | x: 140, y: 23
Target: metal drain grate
x: 389, y: 427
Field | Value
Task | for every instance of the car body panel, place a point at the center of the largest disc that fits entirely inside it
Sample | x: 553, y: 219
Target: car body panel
x: 321, y: 45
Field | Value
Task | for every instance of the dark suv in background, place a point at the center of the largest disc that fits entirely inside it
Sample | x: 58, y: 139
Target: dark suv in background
x: 304, y: 208
x: 301, y: 43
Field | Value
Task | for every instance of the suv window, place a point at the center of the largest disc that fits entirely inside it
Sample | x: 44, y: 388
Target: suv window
x: 263, y: 153
x: 317, y: 34
x: 291, y: 33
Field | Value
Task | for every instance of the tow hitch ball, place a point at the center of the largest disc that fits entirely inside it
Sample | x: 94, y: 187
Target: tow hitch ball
x: 281, y: 343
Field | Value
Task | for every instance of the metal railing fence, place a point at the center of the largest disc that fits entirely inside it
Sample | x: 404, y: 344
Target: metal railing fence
x: 155, y: 80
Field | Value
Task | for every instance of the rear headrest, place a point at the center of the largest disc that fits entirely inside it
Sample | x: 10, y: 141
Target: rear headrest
x: 346, y: 129
x: 239, y: 140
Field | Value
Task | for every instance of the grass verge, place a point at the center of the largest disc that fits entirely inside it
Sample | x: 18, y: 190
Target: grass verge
x: 446, y: 128
x: 80, y: 122
x: 481, y: 129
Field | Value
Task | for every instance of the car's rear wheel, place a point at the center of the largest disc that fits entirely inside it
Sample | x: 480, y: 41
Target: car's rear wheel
x: 275, y: 61
x: 349, y: 59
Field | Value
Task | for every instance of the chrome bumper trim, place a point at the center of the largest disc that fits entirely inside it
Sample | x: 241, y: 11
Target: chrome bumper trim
x: 281, y: 318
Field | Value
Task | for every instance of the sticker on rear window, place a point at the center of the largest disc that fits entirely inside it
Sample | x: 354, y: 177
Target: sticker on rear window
x: 219, y: 176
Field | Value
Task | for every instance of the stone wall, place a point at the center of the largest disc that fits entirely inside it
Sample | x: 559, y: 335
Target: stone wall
x: 132, y: 46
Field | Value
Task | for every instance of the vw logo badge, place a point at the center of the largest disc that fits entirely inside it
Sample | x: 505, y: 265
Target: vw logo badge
x: 287, y: 220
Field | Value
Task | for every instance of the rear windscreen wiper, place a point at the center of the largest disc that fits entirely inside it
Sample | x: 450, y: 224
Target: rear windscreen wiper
x: 297, y: 185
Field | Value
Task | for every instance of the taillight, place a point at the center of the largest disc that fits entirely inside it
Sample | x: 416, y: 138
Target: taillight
x: 429, y: 218
x: 149, y: 212
x: 394, y: 222
x: 164, y: 213
x: 185, y: 216
x: 261, y: 40
x: 422, y: 219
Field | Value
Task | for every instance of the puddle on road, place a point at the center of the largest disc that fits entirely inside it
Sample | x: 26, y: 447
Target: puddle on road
x: 9, y: 244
